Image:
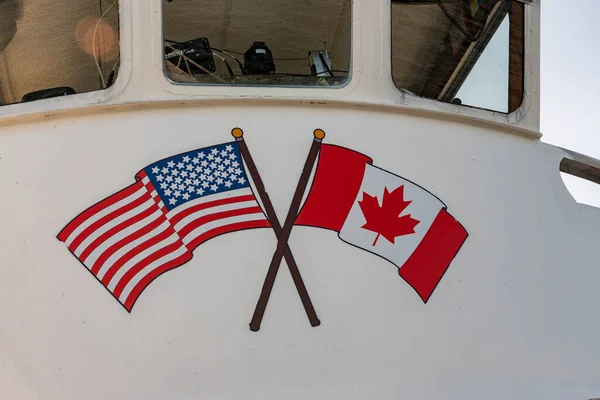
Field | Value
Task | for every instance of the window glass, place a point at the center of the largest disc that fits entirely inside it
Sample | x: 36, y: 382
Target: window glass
x: 53, y: 48
x: 461, y: 51
x: 257, y: 42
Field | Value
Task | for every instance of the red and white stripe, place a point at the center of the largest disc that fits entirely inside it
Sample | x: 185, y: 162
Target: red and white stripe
x: 204, y: 218
x: 130, y: 238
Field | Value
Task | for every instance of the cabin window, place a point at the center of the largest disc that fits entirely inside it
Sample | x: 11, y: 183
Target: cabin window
x: 51, y: 48
x: 466, y: 52
x: 257, y: 42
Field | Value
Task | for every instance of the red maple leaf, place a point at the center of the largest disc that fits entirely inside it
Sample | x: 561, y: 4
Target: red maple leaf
x: 385, y: 219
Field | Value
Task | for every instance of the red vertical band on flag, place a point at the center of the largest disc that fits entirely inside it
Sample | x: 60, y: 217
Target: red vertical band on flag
x: 430, y: 260
x: 337, y: 181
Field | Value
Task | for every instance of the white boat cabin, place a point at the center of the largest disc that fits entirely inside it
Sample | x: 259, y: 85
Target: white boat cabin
x: 288, y: 199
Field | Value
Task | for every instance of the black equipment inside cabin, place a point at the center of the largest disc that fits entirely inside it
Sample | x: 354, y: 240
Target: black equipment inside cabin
x: 197, y: 52
x: 258, y: 59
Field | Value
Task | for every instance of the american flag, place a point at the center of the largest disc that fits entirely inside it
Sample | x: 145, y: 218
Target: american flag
x: 152, y: 226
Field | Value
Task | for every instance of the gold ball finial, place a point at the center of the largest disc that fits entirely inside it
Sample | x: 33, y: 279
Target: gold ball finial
x: 319, y: 134
x: 237, y: 132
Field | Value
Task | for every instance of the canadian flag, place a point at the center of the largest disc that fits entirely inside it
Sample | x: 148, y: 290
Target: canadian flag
x: 385, y: 214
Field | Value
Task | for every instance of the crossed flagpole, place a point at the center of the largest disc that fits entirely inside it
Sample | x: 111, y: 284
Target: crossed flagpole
x: 131, y: 237
x: 282, y: 233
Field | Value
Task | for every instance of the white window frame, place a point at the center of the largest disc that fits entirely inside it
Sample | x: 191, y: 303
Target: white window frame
x: 142, y: 81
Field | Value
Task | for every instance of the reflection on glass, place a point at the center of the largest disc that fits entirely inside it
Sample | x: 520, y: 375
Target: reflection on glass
x: 257, y: 42
x: 487, y: 84
x: 50, y: 48
x: 460, y: 51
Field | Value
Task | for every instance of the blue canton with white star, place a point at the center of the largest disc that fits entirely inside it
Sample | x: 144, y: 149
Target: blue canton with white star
x: 199, y: 173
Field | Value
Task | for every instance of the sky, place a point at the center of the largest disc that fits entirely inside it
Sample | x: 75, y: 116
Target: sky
x: 570, y: 83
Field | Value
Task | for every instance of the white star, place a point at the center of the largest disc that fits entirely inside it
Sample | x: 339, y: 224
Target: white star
x: 195, y: 160
x: 231, y: 170
x: 218, y: 160
x: 175, y: 172
x: 178, y: 180
x: 214, y: 188
x: 232, y: 156
x: 184, y: 174
x: 238, y: 171
x: 186, y: 196
x: 173, y: 187
x: 200, y: 191
x: 193, y: 175
x: 191, y: 189
x: 219, y: 181
x: 214, y: 151
x: 210, y: 178
x: 169, y: 179
x: 165, y: 170
x: 201, y: 155
x: 182, y: 187
x: 188, y: 181
x: 223, y: 153
x: 163, y: 185
x: 226, y: 162
x: 189, y: 167
x: 172, y: 201
x: 204, y: 163
x: 196, y: 182
x: 228, y: 184
x: 155, y: 170
x: 242, y: 180
x: 171, y: 164
x: 198, y: 169
x: 211, y: 157
x: 180, y: 165
x: 186, y: 159
x: 205, y: 184
x: 160, y: 178
x: 221, y: 167
x: 235, y: 164
x: 168, y: 192
x: 177, y: 193
x: 229, y: 147
x: 233, y: 177
x: 202, y: 177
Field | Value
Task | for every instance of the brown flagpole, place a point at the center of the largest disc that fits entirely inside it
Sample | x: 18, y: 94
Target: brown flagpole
x: 270, y: 211
x: 284, y: 235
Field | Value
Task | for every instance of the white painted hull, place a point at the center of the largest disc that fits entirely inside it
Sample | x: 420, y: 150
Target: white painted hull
x: 515, y: 315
